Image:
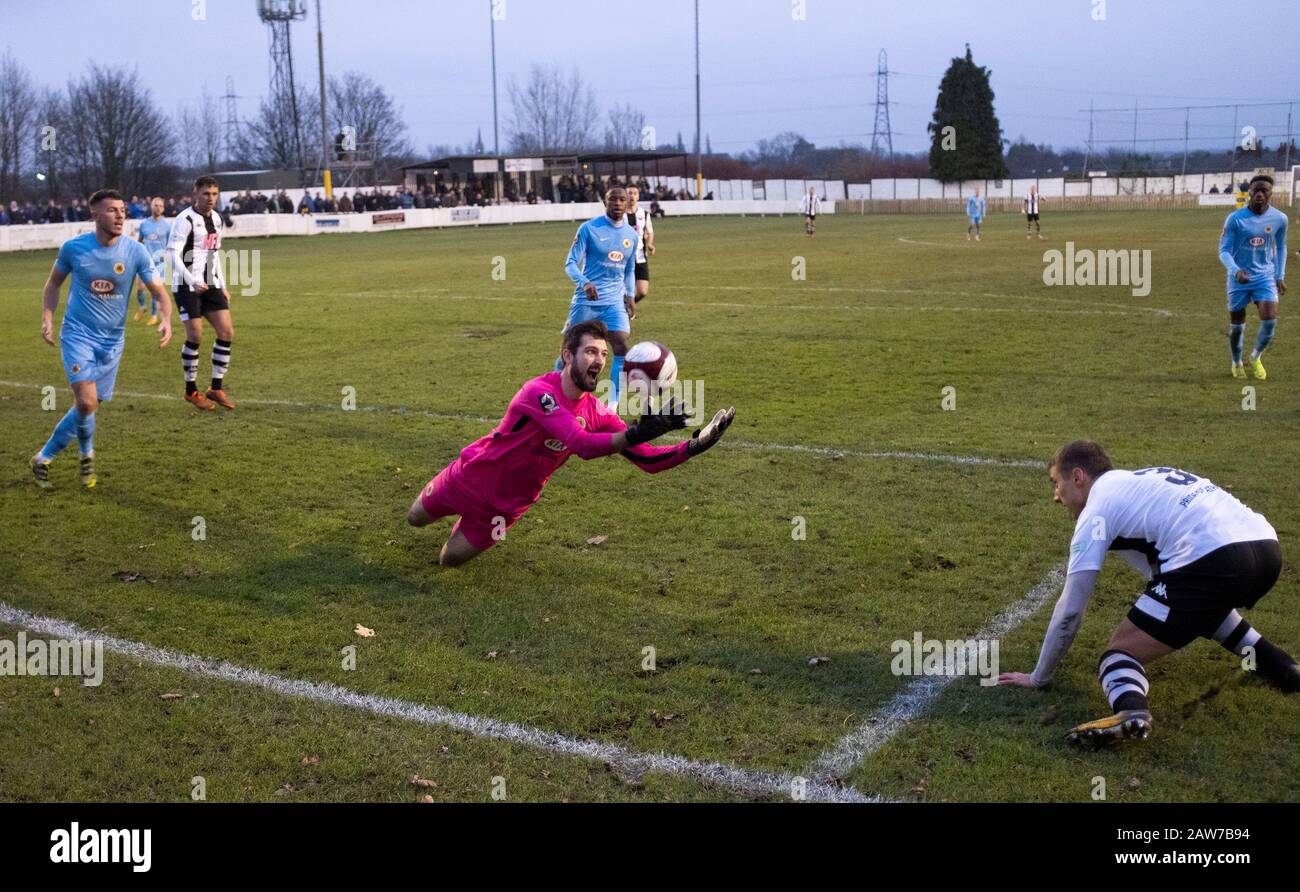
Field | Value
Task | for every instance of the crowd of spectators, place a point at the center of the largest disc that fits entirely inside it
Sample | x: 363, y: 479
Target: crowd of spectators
x: 443, y: 192
x: 582, y: 188
x: 76, y: 210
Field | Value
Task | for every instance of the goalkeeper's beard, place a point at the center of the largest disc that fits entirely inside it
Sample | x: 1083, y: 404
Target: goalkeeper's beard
x: 585, y: 381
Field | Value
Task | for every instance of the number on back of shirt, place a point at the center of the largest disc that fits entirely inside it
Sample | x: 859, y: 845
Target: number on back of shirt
x: 1180, y: 478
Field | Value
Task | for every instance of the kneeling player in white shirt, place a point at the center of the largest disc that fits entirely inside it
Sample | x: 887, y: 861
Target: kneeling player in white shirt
x: 1204, y: 553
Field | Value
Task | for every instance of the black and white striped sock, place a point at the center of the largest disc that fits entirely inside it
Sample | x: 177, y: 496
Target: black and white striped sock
x: 1237, y: 635
x: 190, y: 363
x: 1123, y: 680
x: 220, y: 363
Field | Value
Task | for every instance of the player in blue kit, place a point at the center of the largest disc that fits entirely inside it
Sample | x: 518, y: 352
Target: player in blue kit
x: 602, y: 264
x: 103, y: 265
x: 154, y: 233
x: 1253, y: 249
x: 975, y: 214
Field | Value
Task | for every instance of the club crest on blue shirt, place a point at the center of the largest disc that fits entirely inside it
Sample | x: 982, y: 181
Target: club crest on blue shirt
x: 119, y: 268
x: 547, y: 402
x: 627, y: 243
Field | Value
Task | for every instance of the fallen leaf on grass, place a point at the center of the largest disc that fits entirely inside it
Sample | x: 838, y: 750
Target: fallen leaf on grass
x: 310, y: 760
x: 491, y: 655
x: 171, y: 696
x: 364, y: 632
x: 418, y: 781
x: 596, y: 540
x: 56, y: 692
x: 426, y: 798
x: 817, y: 661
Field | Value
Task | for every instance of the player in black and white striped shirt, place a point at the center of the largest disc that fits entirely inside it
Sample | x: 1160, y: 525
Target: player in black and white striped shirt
x: 809, y: 205
x: 1031, y: 212
x: 639, y: 219
x: 199, y: 286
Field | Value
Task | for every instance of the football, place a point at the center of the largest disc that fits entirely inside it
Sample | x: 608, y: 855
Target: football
x: 650, y: 367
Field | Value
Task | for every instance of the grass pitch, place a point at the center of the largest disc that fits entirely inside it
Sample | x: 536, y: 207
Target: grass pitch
x: 303, y: 504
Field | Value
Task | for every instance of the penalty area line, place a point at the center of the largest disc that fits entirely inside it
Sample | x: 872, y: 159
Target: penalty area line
x: 631, y: 763
x: 824, y: 451
x: 917, y: 697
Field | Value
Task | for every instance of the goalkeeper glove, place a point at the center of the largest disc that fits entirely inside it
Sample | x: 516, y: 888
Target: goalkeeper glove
x: 712, y: 432
x: 671, y: 417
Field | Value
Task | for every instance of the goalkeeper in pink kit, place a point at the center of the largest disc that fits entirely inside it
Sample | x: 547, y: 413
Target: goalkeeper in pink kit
x: 499, y: 477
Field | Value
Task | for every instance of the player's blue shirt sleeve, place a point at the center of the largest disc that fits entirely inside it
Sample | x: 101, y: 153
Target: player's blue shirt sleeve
x: 577, y: 257
x: 1280, y: 242
x: 1228, y: 244
x: 63, y: 263
x: 144, y: 265
x: 629, y: 268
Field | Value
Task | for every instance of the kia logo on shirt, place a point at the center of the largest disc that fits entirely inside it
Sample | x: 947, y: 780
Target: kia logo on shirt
x: 616, y: 256
x: 1257, y: 241
x: 103, y: 286
x: 554, y: 445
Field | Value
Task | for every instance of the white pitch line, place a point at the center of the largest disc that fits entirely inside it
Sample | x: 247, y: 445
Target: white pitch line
x: 832, y: 452
x: 1099, y: 309
x: 825, y: 451
x: 717, y: 774
x: 916, y: 698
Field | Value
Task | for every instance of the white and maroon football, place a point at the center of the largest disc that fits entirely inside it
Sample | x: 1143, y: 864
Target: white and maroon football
x: 650, y: 366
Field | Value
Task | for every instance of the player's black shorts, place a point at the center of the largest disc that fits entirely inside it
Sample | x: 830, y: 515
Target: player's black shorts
x: 1032, y: 217
x: 196, y: 306
x: 1191, y: 602
x: 642, y: 272
x: 812, y: 217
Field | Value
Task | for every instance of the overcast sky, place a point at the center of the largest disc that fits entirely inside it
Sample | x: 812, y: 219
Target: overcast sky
x: 763, y: 71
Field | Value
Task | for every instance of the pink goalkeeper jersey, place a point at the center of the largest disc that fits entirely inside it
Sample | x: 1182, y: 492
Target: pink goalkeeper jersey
x: 506, y: 470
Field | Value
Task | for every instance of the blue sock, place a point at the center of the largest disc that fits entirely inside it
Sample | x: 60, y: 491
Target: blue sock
x: 153, y: 305
x: 1236, y: 336
x: 86, y: 432
x: 64, y: 433
x: 615, y: 370
x: 139, y: 298
x: 1265, y: 335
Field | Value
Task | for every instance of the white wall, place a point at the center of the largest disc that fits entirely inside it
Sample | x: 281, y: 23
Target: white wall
x: 51, y: 235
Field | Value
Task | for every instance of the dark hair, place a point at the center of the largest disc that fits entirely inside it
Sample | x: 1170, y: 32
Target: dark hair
x: 206, y: 180
x: 1261, y: 177
x: 593, y: 327
x: 1083, y: 454
x: 103, y: 194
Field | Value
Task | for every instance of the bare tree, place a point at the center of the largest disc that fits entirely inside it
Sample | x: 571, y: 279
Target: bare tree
x: 189, y: 141
x: 199, y: 134
x: 552, y: 112
x: 48, y: 154
x: 358, y: 102
x: 115, y: 134
x: 18, y: 112
x: 626, y: 125
x: 268, y: 139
